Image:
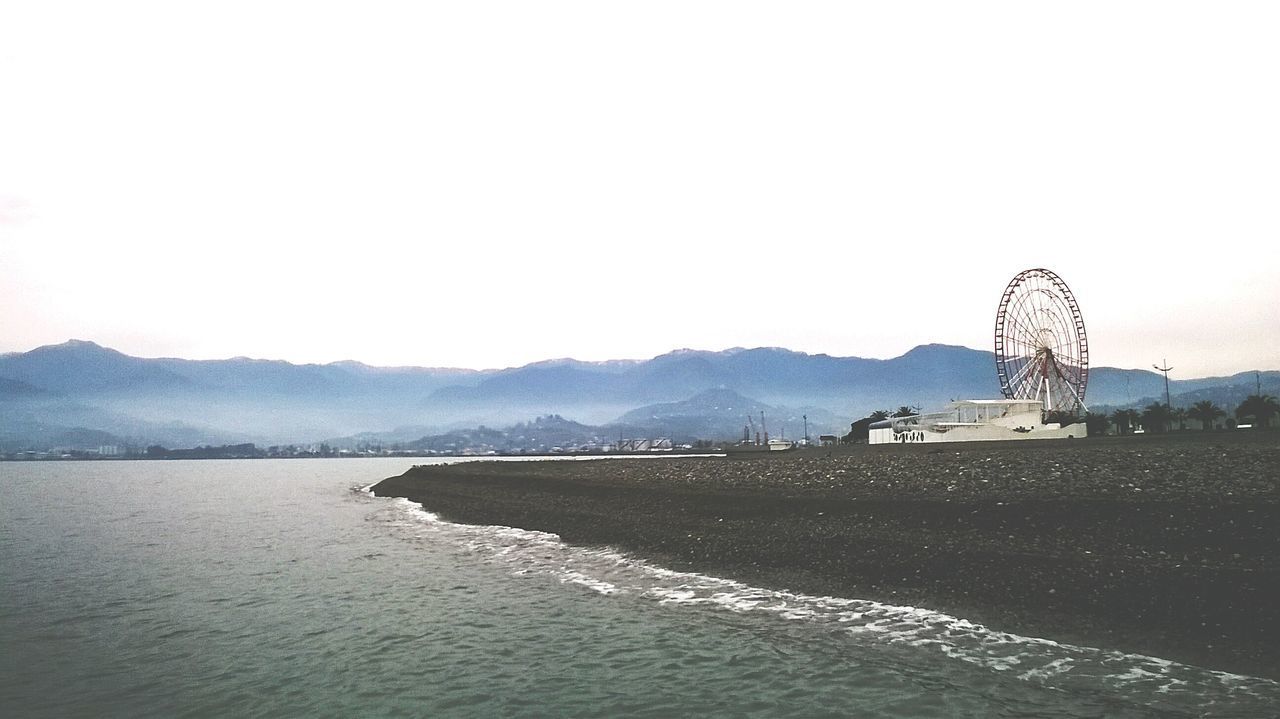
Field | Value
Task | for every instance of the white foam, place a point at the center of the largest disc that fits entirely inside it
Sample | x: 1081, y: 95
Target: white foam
x: 1048, y: 671
x: 596, y: 585
x: 1043, y: 661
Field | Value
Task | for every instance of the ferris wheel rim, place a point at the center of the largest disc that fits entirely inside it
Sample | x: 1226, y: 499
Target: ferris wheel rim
x: 1040, y: 334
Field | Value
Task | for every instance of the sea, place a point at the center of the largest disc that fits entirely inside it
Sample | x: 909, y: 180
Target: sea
x: 286, y: 588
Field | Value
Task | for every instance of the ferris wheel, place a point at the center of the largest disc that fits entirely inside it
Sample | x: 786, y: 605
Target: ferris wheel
x: 1041, y: 349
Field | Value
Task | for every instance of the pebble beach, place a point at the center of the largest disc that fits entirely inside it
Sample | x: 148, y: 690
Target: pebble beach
x: 1158, y: 545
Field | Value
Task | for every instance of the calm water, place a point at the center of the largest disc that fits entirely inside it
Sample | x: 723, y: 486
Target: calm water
x: 277, y: 588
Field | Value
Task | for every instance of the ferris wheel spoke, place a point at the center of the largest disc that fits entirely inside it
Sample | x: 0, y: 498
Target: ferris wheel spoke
x: 1065, y: 332
x: 1072, y: 371
x: 1019, y: 346
x: 1024, y: 372
x: 1024, y: 329
x: 1026, y: 311
x: 1020, y: 350
x: 1017, y: 375
x: 1054, y: 318
x: 1049, y: 325
x: 1067, y: 386
x: 1038, y: 299
x: 1014, y: 323
x: 1024, y: 304
x: 1035, y: 324
x: 1021, y: 326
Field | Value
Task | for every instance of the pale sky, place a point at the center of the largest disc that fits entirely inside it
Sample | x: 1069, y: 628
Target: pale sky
x: 485, y: 184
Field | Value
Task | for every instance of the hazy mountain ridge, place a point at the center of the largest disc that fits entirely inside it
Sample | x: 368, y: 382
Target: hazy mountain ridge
x: 771, y: 375
x: 255, y: 400
x: 723, y: 414
x: 80, y: 385
x: 77, y: 367
x: 47, y: 420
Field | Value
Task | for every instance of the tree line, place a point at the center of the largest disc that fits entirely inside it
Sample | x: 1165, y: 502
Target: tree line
x: 1256, y: 409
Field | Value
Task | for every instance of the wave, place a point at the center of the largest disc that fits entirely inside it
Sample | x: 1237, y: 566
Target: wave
x: 1158, y: 683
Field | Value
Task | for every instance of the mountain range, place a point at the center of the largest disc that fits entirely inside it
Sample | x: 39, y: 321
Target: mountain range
x: 82, y: 394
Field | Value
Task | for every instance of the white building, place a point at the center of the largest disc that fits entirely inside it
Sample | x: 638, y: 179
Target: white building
x: 975, y: 420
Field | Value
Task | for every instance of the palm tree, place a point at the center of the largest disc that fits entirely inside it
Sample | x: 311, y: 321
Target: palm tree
x: 1179, y: 415
x: 878, y: 415
x: 1124, y: 420
x: 1061, y: 417
x: 1205, y: 412
x: 904, y: 411
x: 1156, y: 417
x: 1097, y: 423
x: 1261, y: 407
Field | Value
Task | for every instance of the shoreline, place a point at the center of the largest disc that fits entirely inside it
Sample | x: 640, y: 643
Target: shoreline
x: 1165, y: 548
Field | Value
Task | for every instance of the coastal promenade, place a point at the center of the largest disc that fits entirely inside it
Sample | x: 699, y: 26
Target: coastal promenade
x: 1161, y: 545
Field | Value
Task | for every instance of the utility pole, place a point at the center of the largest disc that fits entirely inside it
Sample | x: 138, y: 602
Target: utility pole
x: 1166, y: 382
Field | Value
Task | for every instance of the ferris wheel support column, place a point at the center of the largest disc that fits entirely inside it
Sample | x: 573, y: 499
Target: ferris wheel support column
x: 1044, y: 381
x: 1079, y: 400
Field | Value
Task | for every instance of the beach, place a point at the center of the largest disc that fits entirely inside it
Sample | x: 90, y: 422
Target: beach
x: 1158, y: 545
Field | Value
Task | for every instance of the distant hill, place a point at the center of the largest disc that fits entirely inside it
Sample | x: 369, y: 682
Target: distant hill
x: 716, y: 415
x: 722, y: 414
x: 76, y: 388
x: 71, y: 426
x: 84, y: 368
x: 544, y: 434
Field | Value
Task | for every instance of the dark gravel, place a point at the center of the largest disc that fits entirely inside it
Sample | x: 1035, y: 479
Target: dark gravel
x: 1165, y: 546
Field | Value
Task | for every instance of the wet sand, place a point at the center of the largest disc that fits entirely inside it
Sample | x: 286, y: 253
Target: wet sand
x: 1168, y: 546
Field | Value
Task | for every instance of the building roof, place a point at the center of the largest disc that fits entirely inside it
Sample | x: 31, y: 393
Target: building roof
x: 997, y: 402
